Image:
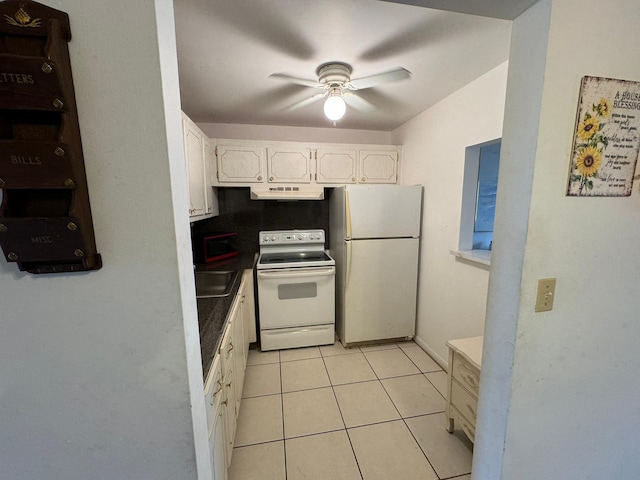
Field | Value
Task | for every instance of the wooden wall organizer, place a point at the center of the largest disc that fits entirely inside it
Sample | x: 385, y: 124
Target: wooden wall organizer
x: 45, y: 216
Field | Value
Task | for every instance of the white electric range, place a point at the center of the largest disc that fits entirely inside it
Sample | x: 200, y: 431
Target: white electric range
x: 296, y: 290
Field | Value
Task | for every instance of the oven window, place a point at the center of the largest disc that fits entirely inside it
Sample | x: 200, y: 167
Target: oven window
x: 288, y: 291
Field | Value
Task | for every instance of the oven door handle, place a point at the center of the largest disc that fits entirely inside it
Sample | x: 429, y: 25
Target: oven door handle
x: 297, y: 273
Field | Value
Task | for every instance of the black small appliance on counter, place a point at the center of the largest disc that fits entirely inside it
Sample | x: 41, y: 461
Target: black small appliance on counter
x: 214, y: 246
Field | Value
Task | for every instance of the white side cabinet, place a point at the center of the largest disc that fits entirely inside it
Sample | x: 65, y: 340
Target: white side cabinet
x: 198, y: 153
x: 223, y: 387
x: 465, y: 363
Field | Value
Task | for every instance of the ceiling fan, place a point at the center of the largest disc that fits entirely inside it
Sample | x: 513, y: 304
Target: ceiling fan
x: 334, y: 79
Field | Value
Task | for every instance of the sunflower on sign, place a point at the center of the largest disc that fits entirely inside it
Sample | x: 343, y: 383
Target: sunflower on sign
x: 588, y: 153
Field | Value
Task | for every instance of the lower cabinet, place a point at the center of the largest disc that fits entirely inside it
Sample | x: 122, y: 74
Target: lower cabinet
x: 214, y: 391
x: 249, y: 306
x: 223, y: 387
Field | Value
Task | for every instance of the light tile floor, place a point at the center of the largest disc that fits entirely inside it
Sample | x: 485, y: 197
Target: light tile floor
x: 330, y: 413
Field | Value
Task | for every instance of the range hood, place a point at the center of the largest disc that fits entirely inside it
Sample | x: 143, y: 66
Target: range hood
x: 284, y: 193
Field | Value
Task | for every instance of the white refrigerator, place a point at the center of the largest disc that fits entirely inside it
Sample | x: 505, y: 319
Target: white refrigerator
x: 374, y: 237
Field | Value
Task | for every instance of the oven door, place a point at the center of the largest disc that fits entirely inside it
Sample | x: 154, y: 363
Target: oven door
x: 294, y: 297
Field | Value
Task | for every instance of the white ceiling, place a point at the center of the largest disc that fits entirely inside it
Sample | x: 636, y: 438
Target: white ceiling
x: 227, y: 50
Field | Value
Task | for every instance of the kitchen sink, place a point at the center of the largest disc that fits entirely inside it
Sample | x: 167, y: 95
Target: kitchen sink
x: 215, y: 283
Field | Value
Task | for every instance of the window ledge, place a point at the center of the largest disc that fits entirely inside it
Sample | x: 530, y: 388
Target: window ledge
x: 478, y: 256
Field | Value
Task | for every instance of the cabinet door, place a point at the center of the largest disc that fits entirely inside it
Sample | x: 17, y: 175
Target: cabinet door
x: 217, y: 445
x: 249, y: 307
x: 289, y: 165
x: 242, y: 164
x: 212, y: 208
x: 213, y: 390
x: 336, y: 166
x: 227, y: 346
x: 378, y: 166
x: 196, y: 175
x: 239, y: 351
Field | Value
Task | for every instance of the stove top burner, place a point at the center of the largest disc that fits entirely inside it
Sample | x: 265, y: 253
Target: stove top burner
x: 293, y: 257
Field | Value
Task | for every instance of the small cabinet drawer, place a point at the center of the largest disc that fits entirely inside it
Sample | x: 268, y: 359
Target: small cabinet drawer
x: 466, y: 374
x: 467, y: 427
x: 465, y: 403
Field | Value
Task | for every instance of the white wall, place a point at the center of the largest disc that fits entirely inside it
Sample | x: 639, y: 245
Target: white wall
x: 573, y: 407
x: 452, y: 293
x: 96, y: 367
x: 295, y: 134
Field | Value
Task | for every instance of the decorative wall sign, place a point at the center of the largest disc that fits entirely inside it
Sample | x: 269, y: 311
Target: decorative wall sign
x: 606, y: 141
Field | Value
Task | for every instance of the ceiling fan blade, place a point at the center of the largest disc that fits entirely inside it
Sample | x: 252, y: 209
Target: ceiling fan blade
x: 373, y: 80
x: 358, y: 102
x: 299, y: 81
x: 306, y: 101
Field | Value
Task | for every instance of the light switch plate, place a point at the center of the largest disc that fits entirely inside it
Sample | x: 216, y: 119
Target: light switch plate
x: 546, y: 292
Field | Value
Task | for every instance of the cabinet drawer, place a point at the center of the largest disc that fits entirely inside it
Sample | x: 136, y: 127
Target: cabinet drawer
x: 465, y: 403
x: 466, y: 374
x: 459, y: 421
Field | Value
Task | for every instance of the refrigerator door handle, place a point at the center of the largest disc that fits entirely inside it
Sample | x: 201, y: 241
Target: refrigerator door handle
x: 348, y: 262
x: 347, y: 208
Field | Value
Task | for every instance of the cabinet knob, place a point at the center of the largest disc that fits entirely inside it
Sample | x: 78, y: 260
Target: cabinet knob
x: 271, y: 179
x: 259, y: 178
x: 364, y: 179
x: 353, y: 179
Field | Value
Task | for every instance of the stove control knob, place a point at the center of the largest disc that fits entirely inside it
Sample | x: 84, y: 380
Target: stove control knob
x: 300, y: 237
x: 273, y: 238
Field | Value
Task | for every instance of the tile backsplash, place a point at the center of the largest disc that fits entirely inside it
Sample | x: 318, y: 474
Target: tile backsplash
x: 238, y: 213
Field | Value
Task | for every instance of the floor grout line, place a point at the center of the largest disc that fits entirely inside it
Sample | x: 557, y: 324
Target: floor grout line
x: 284, y: 441
x: 343, y: 422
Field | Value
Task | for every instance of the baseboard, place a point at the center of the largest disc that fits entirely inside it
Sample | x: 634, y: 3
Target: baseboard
x: 422, y: 344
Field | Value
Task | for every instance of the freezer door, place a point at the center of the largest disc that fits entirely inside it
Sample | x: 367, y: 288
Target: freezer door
x: 380, y: 290
x: 383, y: 211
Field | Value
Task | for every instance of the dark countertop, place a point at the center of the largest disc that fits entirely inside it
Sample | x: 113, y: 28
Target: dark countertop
x: 212, y: 312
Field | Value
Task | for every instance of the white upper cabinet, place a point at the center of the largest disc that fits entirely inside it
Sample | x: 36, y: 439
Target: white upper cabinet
x: 289, y: 165
x: 336, y: 166
x: 378, y: 166
x: 203, y: 202
x: 243, y: 164
x: 212, y: 207
x: 194, y: 155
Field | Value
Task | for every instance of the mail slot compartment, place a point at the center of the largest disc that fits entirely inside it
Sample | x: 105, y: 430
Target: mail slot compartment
x: 30, y: 83
x: 35, y: 165
x: 41, y: 239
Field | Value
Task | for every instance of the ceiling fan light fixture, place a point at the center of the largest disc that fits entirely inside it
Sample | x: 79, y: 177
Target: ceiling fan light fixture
x: 334, y: 106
